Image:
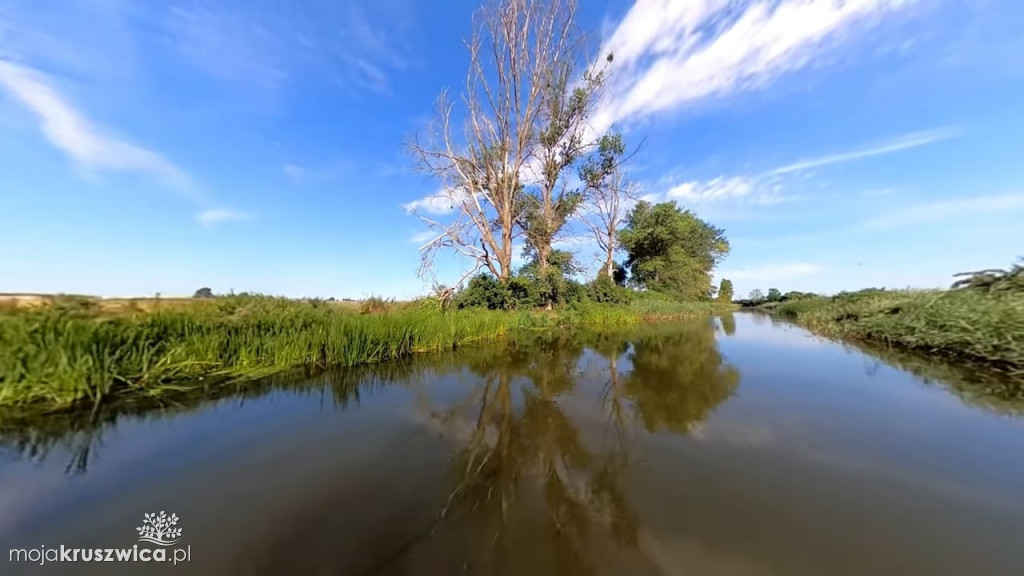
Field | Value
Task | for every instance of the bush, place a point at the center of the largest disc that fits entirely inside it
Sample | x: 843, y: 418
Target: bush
x: 375, y: 305
x: 606, y: 291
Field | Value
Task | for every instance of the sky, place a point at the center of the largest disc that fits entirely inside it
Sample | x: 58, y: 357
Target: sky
x: 257, y: 145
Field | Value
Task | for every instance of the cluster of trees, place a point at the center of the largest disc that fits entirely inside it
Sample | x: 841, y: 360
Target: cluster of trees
x: 518, y: 160
x: 757, y: 297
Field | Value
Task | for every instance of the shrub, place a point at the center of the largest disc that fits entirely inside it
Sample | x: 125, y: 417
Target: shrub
x: 605, y: 290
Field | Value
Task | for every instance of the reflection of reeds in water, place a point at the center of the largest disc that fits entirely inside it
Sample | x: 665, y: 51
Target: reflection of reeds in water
x: 34, y: 436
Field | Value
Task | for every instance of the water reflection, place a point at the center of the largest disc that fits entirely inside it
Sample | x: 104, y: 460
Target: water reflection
x: 728, y: 323
x: 524, y: 456
x: 34, y: 436
x: 564, y: 453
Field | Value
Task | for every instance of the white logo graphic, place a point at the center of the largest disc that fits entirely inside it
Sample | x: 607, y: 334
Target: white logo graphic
x: 158, y: 529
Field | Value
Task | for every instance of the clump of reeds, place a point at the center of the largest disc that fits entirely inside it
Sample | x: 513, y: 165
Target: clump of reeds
x: 67, y: 355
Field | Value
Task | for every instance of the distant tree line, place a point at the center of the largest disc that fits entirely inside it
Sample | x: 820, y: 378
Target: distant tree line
x: 758, y: 298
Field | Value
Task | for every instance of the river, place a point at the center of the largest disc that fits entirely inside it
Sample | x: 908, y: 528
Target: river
x: 733, y: 446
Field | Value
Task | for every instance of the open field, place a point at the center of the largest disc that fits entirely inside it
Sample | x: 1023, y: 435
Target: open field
x: 76, y: 351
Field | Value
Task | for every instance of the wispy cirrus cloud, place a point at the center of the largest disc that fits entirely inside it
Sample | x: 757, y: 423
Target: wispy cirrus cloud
x: 213, y: 217
x: 89, y: 146
x: 929, y: 212
x: 774, y: 186
x: 92, y: 148
x: 905, y: 142
x: 437, y: 204
x: 772, y: 272
x: 670, y: 54
x: 358, y: 44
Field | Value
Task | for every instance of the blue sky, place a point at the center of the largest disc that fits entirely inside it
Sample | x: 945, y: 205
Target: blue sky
x: 256, y: 145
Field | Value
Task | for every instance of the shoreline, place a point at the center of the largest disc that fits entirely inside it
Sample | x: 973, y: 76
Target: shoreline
x: 978, y: 329
x: 56, y: 359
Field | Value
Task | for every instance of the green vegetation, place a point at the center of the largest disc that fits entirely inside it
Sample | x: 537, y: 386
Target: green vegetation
x: 725, y: 291
x: 672, y: 250
x: 74, y: 353
x: 980, y: 320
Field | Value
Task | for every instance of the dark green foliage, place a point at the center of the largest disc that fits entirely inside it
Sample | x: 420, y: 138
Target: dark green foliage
x: 203, y: 293
x: 484, y: 291
x: 672, y: 250
x: 604, y: 290
x: 794, y: 295
x: 774, y: 295
x: 619, y: 274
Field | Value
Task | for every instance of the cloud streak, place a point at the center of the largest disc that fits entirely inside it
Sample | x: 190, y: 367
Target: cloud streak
x: 211, y: 218
x: 670, y: 54
x: 438, y: 204
x: 269, y: 45
x: 948, y: 209
x: 769, y: 188
x: 772, y: 273
x: 90, y: 147
x: 905, y: 142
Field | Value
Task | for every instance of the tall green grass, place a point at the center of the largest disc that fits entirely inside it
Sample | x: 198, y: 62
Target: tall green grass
x: 986, y: 327
x: 62, y: 356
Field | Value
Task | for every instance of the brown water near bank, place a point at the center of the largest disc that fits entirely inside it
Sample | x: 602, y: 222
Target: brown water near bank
x: 738, y: 446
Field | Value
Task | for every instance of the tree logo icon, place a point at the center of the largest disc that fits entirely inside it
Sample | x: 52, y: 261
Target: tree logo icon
x: 158, y: 529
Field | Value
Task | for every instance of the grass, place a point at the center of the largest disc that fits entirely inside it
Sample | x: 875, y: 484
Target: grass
x: 75, y: 353
x: 985, y: 327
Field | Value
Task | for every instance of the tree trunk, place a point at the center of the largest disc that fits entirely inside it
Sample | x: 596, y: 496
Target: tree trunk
x: 543, y: 252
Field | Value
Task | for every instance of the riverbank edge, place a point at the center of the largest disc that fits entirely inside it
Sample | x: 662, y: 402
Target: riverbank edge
x: 958, y: 326
x: 380, y: 337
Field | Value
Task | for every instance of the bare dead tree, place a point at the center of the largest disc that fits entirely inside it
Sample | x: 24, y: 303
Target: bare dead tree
x: 609, y: 194
x: 519, y: 50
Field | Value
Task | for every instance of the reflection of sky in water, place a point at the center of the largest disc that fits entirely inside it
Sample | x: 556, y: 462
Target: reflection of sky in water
x: 803, y: 465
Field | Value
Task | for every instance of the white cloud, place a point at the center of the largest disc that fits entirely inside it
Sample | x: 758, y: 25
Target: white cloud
x: 947, y: 209
x: 904, y: 142
x: 210, y: 218
x: 423, y: 237
x: 772, y: 273
x: 672, y: 53
x: 769, y: 188
x: 86, y: 144
x: 438, y: 204
x: 293, y: 171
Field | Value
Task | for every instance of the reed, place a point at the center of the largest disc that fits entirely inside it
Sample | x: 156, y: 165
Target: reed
x: 981, y: 326
x: 68, y: 355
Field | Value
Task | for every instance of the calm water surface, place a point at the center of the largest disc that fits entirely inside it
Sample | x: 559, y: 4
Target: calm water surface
x: 729, y: 447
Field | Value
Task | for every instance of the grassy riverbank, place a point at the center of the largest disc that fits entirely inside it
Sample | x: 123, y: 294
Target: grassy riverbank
x: 76, y: 353
x: 980, y: 326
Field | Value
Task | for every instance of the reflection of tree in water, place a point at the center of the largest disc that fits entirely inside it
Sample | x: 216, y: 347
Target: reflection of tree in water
x: 525, y: 453
x: 728, y: 323
x: 678, y: 379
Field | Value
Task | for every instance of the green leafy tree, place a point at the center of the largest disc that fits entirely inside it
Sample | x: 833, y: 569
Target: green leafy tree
x: 725, y: 290
x: 671, y: 250
x: 554, y: 283
x: 203, y: 293
x: 774, y: 295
